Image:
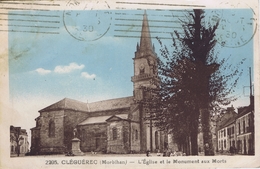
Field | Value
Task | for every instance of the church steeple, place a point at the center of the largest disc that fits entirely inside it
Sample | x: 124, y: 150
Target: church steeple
x: 146, y: 48
x: 145, y: 60
x: 145, y: 41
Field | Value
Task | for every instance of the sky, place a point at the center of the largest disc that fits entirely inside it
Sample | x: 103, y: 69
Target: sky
x: 88, y: 56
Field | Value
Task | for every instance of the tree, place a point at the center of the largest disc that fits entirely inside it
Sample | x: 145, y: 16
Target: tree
x: 16, y: 137
x: 194, y: 82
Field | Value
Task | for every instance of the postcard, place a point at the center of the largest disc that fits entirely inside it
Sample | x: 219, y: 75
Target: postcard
x: 113, y: 84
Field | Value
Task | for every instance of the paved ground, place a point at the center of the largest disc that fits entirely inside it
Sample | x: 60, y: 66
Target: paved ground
x: 112, y: 155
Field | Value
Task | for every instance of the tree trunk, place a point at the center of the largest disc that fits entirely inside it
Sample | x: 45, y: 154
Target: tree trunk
x: 194, y: 132
x: 207, y: 136
x: 18, y: 149
x: 194, y: 143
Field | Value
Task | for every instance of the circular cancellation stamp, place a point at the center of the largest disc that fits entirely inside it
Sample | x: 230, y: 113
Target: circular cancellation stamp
x: 84, y: 22
x: 237, y: 26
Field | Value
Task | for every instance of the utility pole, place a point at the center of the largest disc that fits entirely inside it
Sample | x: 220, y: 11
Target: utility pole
x: 251, y: 91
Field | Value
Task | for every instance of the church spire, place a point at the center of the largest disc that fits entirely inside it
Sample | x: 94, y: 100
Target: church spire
x: 145, y: 41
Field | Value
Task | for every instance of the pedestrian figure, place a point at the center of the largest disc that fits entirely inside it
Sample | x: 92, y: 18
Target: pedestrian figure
x: 206, y: 149
x: 231, y: 150
x: 174, y: 153
x: 147, y: 153
x: 164, y: 153
x: 168, y: 153
x: 158, y: 153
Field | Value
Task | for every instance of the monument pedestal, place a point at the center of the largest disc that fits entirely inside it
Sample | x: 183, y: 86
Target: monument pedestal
x: 76, y: 147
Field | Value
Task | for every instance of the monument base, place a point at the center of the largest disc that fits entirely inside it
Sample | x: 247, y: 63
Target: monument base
x: 76, y: 147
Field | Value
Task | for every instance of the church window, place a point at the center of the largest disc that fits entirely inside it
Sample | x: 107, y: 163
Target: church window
x: 141, y: 71
x: 51, y: 128
x: 125, y: 135
x: 136, y: 134
x: 114, y: 133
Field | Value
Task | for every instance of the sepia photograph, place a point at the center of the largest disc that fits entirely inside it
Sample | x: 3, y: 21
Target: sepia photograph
x: 135, y: 87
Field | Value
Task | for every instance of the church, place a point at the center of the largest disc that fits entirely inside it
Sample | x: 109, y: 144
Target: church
x: 109, y: 126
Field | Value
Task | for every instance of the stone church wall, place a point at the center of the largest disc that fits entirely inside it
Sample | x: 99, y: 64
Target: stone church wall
x: 121, y: 144
x: 35, y: 139
x: 49, y: 145
x: 71, y: 119
x: 93, y: 137
x: 135, y: 137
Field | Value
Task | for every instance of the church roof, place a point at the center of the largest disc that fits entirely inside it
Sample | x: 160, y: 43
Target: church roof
x: 145, y: 41
x: 70, y: 104
x: 97, y: 119
x: 118, y: 117
x: 67, y: 103
x: 111, y: 104
x: 103, y: 119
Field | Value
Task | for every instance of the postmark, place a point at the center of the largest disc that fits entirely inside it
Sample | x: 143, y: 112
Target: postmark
x: 84, y: 22
x: 236, y: 27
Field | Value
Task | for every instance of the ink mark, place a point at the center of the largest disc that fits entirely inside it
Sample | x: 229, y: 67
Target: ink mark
x: 87, y: 24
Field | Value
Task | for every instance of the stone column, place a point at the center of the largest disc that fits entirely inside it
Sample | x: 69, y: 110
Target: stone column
x: 76, y: 147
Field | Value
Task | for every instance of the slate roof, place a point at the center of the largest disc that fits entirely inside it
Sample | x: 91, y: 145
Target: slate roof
x: 102, y: 119
x: 119, y: 116
x: 228, y: 122
x: 224, y: 121
x: 91, y: 120
x: 245, y: 110
x: 67, y: 103
x: 111, y: 104
x: 70, y: 104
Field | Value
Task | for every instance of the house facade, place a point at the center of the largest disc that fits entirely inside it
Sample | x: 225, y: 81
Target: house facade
x: 245, y: 131
x: 18, y: 141
x: 111, y: 126
x: 237, y: 130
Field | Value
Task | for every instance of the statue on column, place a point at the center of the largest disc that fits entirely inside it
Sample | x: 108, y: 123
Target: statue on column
x: 75, y: 132
x: 75, y: 147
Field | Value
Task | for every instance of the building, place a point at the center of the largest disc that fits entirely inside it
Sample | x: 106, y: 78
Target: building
x: 18, y: 141
x: 245, y: 130
x: 226, y: 130
x: 237, y: 130
x: 111, y: 126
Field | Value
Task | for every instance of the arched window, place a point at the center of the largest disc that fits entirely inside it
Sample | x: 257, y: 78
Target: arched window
x: 125, y: 135
x: 114, y: 133
x: 136, y: 134
x: 141, y: 71
x: 51, y: 128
